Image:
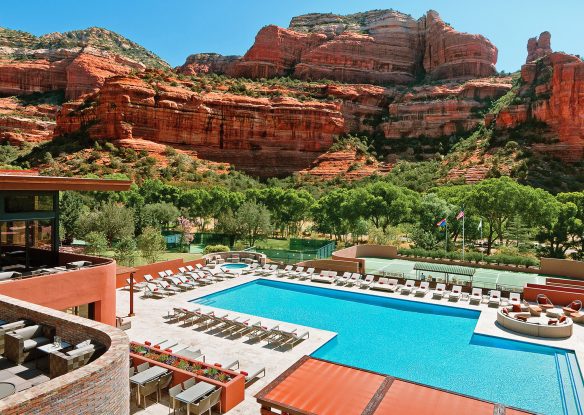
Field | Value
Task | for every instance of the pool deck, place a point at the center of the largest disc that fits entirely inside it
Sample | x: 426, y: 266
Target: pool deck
x: 148, y: 323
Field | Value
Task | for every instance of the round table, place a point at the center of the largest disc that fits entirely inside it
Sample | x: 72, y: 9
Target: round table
x: 7, y: 389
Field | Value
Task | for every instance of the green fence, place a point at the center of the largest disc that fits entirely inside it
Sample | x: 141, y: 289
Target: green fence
x: 173, y: 239
x: 300, y: 250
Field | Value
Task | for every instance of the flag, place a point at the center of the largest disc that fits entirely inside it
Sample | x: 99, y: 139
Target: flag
x: 460, y: 215
x: 442, y: 223
x: 480, y: 227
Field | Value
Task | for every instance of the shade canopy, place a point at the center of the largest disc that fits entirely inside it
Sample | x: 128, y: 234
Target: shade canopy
x: 444, y: 269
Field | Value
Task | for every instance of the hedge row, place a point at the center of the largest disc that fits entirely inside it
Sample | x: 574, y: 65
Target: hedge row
x: 476, y: 257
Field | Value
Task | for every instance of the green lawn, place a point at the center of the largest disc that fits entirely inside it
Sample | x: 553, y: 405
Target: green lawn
x: 273, y: 244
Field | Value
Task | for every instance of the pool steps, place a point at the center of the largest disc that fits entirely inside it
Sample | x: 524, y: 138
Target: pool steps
x: 571, y: 384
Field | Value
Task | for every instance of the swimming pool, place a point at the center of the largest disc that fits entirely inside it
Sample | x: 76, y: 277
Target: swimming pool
x: 426, y: 343
x: 234, y: 267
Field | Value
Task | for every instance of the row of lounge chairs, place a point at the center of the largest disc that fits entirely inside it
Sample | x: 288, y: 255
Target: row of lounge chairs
x: 237, y: 326
x: 187, y: 278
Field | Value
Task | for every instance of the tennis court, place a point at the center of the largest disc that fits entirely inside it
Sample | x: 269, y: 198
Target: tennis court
x: 486, y: 278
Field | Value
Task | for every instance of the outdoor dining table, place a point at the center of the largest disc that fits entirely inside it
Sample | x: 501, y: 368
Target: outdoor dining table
x: 194, y: 393
x: 146, y: 376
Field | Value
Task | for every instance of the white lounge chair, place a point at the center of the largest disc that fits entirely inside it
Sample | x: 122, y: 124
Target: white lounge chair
x: 455, y: 293
x: 495, y: 298
x: 252, y: 373
x: 476, y: 296
x: 366, y: 283
x: 422, y: 290
x: 408, y: 287
x: 343, y: 279
x: 153, y: 291
x: 354, y: 280
x: 514, y: 298
x: 324, y: 277
x: 306, y: 274
x: 295, y: 273
x: 284, y: 272
x: 385, y: 284
x: 439, y: 291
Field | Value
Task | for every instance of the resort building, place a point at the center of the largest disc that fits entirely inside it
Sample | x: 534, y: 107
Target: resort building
x: 31, y: 266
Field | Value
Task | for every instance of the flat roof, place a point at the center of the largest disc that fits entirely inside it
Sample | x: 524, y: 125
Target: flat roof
x: 318, y: 387
x: 26, y: 181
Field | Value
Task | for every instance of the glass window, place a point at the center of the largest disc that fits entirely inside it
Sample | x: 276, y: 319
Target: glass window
x: 40, y: 242
x: 28, y: 203
x: 12, y: 244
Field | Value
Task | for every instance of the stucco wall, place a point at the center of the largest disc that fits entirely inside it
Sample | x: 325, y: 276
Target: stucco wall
x: 562, y: 268
x: 72, y: 288
x: 100, y: 387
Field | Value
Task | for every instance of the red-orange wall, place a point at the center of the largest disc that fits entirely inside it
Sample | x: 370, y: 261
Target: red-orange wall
x: 72, y: 288
x: 557, y: 294
x: 153, y: 270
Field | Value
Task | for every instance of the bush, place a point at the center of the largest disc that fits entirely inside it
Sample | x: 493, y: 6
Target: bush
x: 499, y: 259
x: 125, y: 251
x: 151, y: 244
x: 215, y: 248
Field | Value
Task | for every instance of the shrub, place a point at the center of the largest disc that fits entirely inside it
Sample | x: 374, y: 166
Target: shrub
x: 215, y: 248
x: 151, y: 244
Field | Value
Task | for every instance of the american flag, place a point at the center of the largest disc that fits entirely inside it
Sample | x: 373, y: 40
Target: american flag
x: 460, y: 215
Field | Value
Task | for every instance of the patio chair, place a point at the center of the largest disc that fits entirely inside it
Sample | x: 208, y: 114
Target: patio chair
x: 253, y: 373
x: 123, y: 323
x: 455, y: 293
x: 291, y: 338
x: 439, y: 291
x: 190, y: 268
x: 147, y: 389
x: 137, y: 285
x: 163, y: 383
x: 261, y: 332
x: 380, y: 284
x: 175, y: 282
x: 142, y: 367
x: 495, y: 298
x: 408, y: 287
x: 574, y: 307
x: 182, y: 270
x: 514, y: 298
x: 214, y: 399
x: 422, y: 290
x: 67, y: 360
x: 343, y: 279
x: 201, y: 407
x: 191, y: 353
x: 544, y: 302
x: 366, y: 283
x: 8, y: 327
x: 189, y: 382
x: 476, y: 296
x: 162, y: 275
x: 175, y: 403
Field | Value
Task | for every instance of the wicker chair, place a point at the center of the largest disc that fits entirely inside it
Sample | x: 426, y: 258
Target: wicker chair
x: 21, y: 345
x: 148, y: 389
x: 65, y: 361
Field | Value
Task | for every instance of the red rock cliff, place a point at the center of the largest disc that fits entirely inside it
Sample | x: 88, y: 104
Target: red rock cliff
x: 381, y: 46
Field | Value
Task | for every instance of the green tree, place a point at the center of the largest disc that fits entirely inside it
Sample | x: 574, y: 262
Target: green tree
x: 160, y: 215
x: 71, y: 207
x: 196, y: 203
x: 114, y: 221
x: 559, y: 232
x: 125, y: 251
x: 254, y: 220
x: 332, y: 213
x: 151, y: 244
x: 96, y: 243
x: 229, y: 225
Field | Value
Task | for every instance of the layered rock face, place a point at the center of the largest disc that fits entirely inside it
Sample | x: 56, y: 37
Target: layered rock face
x: 75, y: 71
x: 30, y: 123
x: 444, y: 110
x: 450, y: 54
x: 377, y: 47
x: 551, y: 92
x: 261, y: 134
x: 202, y: 63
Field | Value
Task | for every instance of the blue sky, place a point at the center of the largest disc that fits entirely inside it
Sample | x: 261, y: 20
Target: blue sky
x: 174, y: 29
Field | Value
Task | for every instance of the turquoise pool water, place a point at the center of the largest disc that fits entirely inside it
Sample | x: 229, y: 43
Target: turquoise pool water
x: 425, y: 343
x: 233, y: 267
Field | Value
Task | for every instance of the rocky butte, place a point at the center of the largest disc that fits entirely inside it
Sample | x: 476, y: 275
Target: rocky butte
x: 388, y: 76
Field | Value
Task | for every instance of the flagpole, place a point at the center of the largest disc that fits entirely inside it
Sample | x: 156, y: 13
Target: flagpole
x: 446, y: 233
x: 482, y: 248
x: 463, y: 215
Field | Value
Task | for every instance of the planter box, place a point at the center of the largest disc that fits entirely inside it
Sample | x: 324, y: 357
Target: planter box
x: 232, y: 392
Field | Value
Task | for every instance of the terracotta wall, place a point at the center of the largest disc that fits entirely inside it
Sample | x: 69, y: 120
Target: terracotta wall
x: 562, y: 268
x: 153, y: 270
x: 559, y: 295
x: 96, y: 284
x: 331, y: 265
x: 562, y: 282
x: 100, y: 387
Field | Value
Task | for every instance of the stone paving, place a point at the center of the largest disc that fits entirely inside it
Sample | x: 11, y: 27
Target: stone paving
x: 149, y: 324
x: 23, y: 376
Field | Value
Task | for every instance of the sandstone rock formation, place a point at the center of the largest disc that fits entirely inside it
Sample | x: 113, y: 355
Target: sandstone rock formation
x: 283, y: 133
x: 26, y: 123
x: 539, y: 47
x: 382, y: 46
x: 75, y: 71
x: 202, y: 63
x: 346, y: 163
x: 552, y: 93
